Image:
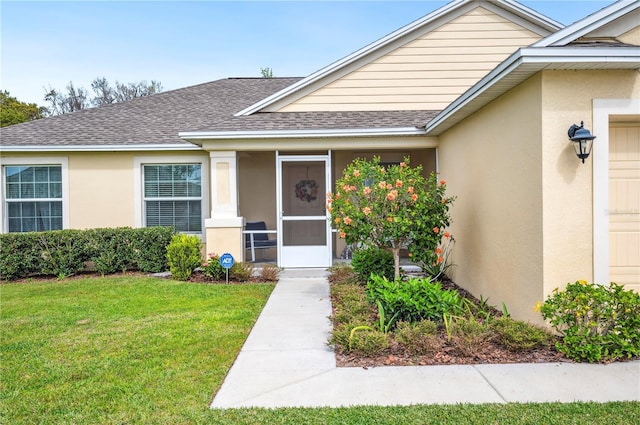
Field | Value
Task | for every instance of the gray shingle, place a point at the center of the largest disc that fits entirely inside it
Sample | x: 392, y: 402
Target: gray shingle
x: 157, y: 119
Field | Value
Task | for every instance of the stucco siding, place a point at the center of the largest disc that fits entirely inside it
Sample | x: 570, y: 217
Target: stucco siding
x: 491, y: 162
x: 428, y: 72
x: 101, y: 186
x: 567, y: 183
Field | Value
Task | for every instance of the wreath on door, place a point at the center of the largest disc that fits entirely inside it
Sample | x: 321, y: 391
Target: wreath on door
x: 307, y: 190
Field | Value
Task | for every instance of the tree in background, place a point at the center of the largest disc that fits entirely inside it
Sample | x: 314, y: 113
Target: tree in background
x: 391, y: 207
x: 12, y: 111
x: 76, y: 99
x: 266, y: 72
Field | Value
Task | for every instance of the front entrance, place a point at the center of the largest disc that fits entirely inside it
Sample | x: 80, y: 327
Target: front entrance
x: 304, y: 230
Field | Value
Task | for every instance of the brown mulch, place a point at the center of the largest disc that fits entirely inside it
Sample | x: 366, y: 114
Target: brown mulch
x: 490, y: 353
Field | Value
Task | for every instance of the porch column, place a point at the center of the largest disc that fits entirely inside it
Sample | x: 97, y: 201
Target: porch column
x: 224, y: 228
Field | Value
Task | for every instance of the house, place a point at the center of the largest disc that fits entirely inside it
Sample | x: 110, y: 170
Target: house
x: 482, y: 92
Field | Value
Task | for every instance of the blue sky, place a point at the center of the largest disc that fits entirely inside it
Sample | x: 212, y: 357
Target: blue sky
x: 49, y: 43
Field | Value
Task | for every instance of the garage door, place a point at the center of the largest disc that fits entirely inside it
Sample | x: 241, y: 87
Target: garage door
x: 624, y: 204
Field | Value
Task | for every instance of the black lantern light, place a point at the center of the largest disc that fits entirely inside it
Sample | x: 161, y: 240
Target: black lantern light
x: 582, y: 140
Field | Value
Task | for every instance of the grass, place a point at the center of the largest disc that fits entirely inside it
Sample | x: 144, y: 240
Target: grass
x: 142, y: 350
x: 119, y: 350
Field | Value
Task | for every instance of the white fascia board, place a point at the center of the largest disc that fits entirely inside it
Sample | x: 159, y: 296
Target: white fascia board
x: 352, y: 57
x: 530, y: 14
x: 99, y: 148
x: 588, y: 24
x: 538, y: 59
x: 299, y: 134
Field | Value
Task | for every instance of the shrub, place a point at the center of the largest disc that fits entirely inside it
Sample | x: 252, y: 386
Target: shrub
x: 357, y: 338
x: 350, y: 304
x: 149, y: 246
x: 62, y: 252
x: 370, y: 261
x: 415, y: 299
x: 520, y: 336
x: 183, y: 255
x: 19, y: 255
x: 342, y: 274
x: 212, y: 269
x: 418, y: 338
x: 468, y: 335
x: 110, y: 249
x: 241, y: 271
x: 269, y: 273
x: 597, y: 323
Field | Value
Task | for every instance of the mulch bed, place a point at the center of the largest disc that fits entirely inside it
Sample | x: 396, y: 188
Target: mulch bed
x: 490, y: 353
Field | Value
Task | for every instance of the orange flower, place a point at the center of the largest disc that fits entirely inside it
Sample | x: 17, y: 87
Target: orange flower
x: 342, y: 235
x: 337, y: 220
x: 390, y: 219
x: 447, y: 234
x: 389, y: 186
x: 436, y: 230
x: 440, y: 259
x: 392, y: 195
x: 347, y: 221
x: 410, y: 255
x: 444, y: 201
x: 367, y: 190
x: 410, y: 189
x: 366, y: 210
x: 443, y: 182
x: 414, y: 197
x: 403, y: 164
x: 353, y: 188
x: 438, y: 250
x: 398, y: 183
x: 382, y: 184
x: 356, y: 173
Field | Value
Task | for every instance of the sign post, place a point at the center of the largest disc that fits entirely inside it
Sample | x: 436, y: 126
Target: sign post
x: 226, y: 261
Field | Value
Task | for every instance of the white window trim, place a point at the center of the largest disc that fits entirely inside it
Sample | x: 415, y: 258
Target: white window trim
x: 138, y: 194
x: 602, y: 109
x: 27, y: 161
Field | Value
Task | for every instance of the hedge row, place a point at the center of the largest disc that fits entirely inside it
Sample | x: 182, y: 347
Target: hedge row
x: 63, y: 253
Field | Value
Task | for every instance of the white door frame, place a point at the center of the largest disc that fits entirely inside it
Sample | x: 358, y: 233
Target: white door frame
x: 602, y: 109
x: 302, y: 256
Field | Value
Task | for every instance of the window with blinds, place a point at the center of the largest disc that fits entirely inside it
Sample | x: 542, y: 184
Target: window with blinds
x: 33, y: 197
x: 173, y: 196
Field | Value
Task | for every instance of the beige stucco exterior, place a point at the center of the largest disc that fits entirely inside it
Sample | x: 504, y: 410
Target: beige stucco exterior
x: 523, y: 214
x: 101, y: 186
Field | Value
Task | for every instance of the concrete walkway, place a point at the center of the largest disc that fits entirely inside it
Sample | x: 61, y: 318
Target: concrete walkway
x: 286, y: 362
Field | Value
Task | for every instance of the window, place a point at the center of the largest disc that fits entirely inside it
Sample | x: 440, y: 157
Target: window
x: 172, y: 196
x: 33, y: 197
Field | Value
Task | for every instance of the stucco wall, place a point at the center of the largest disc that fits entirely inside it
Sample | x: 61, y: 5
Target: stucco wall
x: 491, y: 162
x: 101, y: 186
x: 523, y: 218
x: 567, y: 183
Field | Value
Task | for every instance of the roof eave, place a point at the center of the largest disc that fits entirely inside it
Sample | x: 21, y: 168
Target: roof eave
x: 588, y: 24
x: 535, y: 60
x: 194, y: 136
x: 101, y: 148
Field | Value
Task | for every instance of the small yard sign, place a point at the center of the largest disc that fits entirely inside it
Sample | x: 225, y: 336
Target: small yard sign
x: 226, y: 261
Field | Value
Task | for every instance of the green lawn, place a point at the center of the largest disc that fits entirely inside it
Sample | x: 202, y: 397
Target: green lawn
x: 144, y: 350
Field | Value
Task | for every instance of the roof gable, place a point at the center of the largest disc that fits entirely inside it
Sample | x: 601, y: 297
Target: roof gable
x: 572, y: 48
x: 501, y: 14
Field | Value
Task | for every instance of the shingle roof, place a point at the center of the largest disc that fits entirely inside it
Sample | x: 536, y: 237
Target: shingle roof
x: 157, y: 119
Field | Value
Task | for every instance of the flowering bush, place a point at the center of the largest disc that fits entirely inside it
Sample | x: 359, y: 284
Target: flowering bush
x: 212, y: 269
x: 391, y: 207
x: 597, y: 322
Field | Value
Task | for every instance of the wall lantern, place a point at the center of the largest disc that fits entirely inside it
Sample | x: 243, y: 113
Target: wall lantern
x: 582, y: 140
